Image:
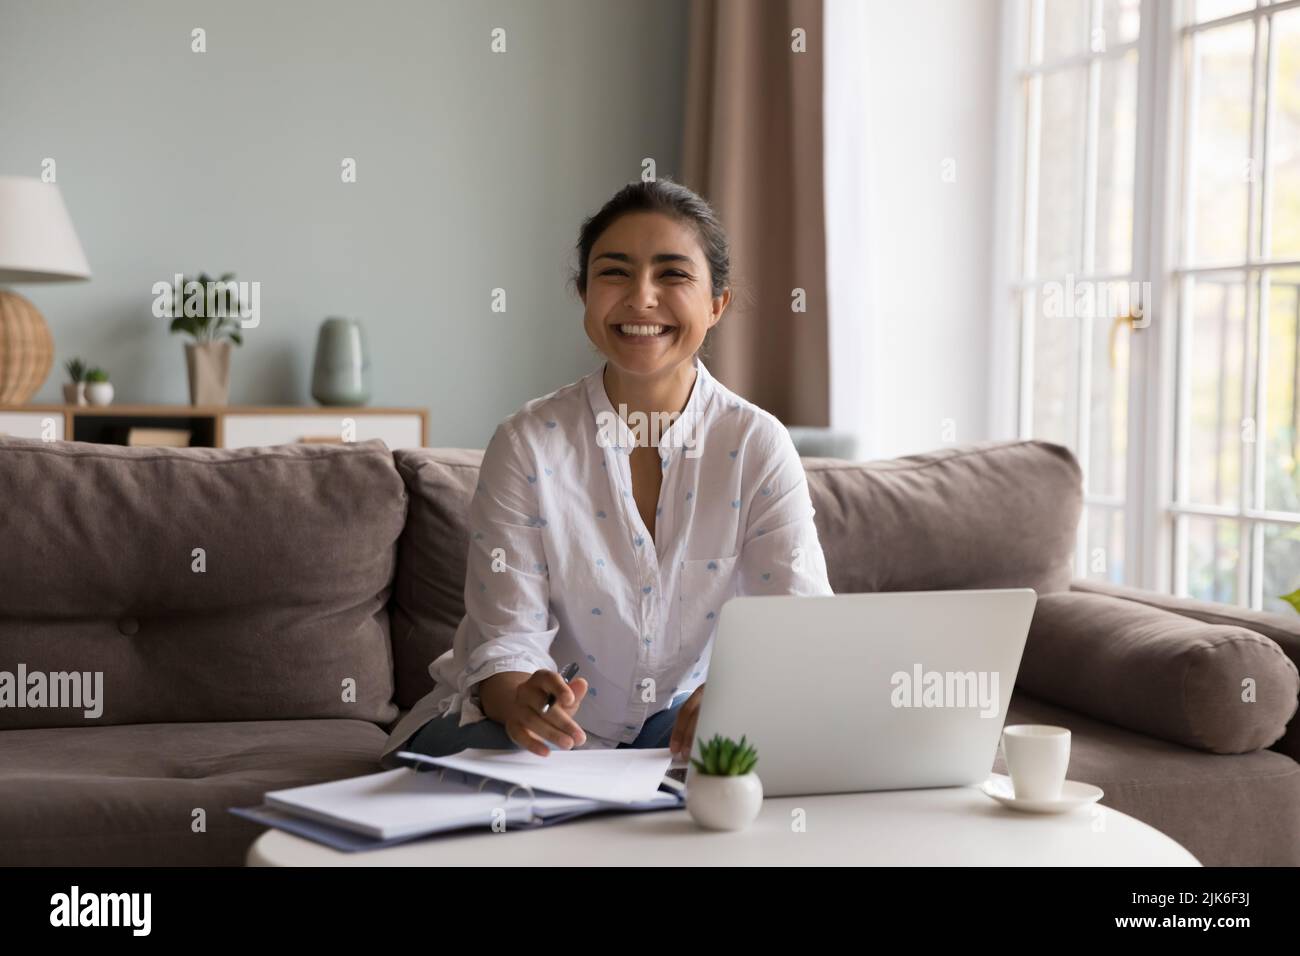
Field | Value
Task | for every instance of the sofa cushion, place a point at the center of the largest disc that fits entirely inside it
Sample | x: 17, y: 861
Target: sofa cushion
x: 429, y: 592
x: 994, y: 514
x: 199, y: 583
x: 1217, y: 688
x: 127, y: 795
x: 1227, y: 810
x: 1282, y: 629
x: 987, y: 515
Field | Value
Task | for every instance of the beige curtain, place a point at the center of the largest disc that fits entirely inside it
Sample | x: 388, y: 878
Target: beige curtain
x: 753, y: 147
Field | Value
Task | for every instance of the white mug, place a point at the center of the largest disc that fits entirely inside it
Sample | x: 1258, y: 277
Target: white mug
x: 1037, y: 756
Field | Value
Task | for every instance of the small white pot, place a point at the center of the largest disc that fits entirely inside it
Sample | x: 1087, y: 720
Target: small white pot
x: 723, y: 802
x: 99, y: 393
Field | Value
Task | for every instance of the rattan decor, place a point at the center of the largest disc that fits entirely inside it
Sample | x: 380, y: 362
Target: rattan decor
x: 26, y: 349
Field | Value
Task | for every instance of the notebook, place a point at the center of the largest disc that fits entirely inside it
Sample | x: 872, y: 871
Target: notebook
x: 473, y: 788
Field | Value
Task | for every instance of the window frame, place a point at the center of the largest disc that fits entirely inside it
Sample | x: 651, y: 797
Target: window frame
x: 1154, y: 506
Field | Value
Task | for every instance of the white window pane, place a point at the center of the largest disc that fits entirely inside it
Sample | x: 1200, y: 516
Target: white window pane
x: 1066, y: 28
x: 1213, y: 558
x: 1216, y: 356
x: 1056, y: 374
x: 1108, y: 416
x: 1221, y: 163
x: 1282, y: 403
x: 1281, y: 566
x: 1284, y: 146
x: 1213, y: 9
x: 1105, y: 545
x: 1120, y: 20
x: 1060, y: 173
x: 1116, y: 139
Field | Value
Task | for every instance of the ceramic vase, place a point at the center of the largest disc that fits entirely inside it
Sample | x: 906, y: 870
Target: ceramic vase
x: 341, y: 372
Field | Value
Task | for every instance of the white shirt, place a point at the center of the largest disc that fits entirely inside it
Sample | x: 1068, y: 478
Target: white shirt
x: 561, y: 567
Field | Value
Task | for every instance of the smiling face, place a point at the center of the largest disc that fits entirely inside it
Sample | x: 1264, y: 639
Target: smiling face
x: 648, y: 298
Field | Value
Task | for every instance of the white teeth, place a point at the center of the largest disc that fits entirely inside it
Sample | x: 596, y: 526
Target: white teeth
x: 641, y: 329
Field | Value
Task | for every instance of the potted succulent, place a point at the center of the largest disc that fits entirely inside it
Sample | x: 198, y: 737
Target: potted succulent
x: 207, y: 358
x: 722, y: 790
x: 74, y: 392
x: 99, y: 390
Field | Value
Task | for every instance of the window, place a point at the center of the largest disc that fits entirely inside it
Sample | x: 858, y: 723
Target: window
x: 1074, y: 297
x: 1236, y: 486
x: 1156, y: 288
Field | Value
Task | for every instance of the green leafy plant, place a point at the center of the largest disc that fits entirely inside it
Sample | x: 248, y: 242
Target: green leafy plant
x: 202, y: 327
x: 1293, y: 599
x: 96, y: 375
x: 76, y: 370
x: 723, y: 757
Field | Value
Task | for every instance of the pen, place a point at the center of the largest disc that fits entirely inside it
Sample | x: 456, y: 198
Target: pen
x: 569, y: 672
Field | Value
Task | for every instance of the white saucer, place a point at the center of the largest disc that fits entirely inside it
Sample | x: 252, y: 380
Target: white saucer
x: 1073, y: 795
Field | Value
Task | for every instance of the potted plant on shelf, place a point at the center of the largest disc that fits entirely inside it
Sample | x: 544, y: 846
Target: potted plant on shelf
x: 99, y: 390
x: 722, y: 790
x: 213, y: 319
x: 74, y: 392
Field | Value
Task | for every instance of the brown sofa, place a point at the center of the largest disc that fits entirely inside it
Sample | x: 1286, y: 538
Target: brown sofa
x: 260, y: 618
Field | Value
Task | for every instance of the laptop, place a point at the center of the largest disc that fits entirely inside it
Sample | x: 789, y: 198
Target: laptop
x: 856, y: 692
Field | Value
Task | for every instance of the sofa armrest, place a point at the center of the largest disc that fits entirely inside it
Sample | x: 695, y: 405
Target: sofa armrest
x: 1282, y: 629
x: 1218, y: 688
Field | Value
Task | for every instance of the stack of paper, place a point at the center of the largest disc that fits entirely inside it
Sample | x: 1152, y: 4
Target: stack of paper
x: 513, y: 789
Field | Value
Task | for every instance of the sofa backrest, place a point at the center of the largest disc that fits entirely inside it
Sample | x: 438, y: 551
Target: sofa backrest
x: 994, y: 514
x: 985, y: 515
x: 202, y: 584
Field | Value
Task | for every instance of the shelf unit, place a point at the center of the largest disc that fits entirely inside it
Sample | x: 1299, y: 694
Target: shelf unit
x: 220, y: 426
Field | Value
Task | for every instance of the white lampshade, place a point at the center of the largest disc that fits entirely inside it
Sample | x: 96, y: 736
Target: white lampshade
x: 37, y: 241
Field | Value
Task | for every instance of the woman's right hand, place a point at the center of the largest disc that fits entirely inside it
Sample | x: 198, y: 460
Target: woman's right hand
x: 522, y: 713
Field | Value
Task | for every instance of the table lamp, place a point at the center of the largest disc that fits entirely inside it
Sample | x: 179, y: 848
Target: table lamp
x: 37, y: 244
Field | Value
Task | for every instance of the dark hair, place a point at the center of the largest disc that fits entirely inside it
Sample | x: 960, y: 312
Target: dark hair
x: 674, y: 200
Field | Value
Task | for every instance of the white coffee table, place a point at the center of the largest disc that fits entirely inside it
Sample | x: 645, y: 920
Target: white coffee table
x: 957, y: 826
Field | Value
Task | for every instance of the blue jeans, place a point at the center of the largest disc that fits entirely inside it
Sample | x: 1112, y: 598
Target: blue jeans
x: 442, y: 736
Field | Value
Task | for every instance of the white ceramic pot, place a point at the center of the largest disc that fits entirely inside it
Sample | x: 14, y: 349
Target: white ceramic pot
x: 723, y: 802
x: 99, y: 393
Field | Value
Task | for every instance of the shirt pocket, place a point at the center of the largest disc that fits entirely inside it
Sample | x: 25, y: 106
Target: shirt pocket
x: 706, y: 584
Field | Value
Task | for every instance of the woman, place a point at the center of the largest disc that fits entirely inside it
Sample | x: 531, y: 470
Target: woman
x: 600, y: 539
